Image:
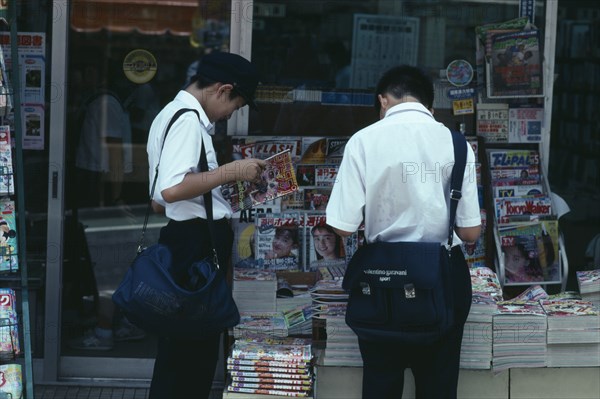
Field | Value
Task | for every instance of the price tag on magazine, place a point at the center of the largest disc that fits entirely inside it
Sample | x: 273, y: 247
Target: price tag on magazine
x: 463, y: 107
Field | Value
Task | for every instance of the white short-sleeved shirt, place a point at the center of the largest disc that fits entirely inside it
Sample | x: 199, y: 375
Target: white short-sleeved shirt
x: 180, y: 155
x: 104, y: 118
x: 395, y: 174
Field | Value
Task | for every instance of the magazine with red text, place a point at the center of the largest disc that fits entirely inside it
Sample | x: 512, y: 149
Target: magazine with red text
x: 7, y: 184
x: 8, y: 239
x: 278, y: 179
x: 515, y: 68
x: 278, y: 241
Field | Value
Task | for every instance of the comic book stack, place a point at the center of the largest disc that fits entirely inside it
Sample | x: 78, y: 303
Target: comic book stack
x: 589, y: 285
x: 573, y: 332
x: 476, y: 350
x: 527, y: 227
x: 519, y: 331
x: 270, y: 366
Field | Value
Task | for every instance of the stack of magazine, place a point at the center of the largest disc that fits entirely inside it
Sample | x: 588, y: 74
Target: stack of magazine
x: 254, y: 290
x: 589, y: 285
x: 268, y: 366
x: 341, y: 346
x: 519, y: 331
x: 476, y: 350
x: 270, y: 324
x: 573, y: 333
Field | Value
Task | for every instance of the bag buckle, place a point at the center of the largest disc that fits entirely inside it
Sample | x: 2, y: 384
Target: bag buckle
x: 455, y: 195
x: 409, y: 291
x: 366, y: 290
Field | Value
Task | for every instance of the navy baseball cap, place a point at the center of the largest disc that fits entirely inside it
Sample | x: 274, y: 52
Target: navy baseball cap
x: 233, y: 69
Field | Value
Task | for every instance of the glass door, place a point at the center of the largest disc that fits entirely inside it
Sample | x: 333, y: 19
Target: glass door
x: 123, y: 61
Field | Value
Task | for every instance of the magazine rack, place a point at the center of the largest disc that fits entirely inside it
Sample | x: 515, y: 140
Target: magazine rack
x: 16, y: 277
x: 499, y: 258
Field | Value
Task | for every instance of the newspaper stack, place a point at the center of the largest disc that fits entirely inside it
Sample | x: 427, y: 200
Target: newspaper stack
x: 519, y: 331
x: 341, y: 346
x: 328, y: 298
x: 259, y: 365
x: 254, y: 290
x: 573, y: 333
x: 476, y: 350
x: 589, y: 285
x: 9, y: 332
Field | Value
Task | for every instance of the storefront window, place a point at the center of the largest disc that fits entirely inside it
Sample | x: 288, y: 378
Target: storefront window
x: 321, y: 60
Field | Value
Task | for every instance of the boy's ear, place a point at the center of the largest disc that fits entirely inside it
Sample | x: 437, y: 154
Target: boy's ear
x: 225, y: 88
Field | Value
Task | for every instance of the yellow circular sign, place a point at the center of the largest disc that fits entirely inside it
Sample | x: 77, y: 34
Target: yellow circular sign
x: 139, y: 66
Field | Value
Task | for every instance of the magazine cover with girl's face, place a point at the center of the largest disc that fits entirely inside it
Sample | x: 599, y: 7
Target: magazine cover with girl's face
x: 278, y: 241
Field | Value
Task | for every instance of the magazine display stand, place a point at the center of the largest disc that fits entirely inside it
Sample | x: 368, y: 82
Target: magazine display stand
x: 16, y: 367
x: 529, y: 249
x: 561, y: 262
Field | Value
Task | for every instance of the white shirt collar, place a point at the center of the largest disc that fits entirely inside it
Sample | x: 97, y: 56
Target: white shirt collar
x: 191, y: 102
x: 408, y: 106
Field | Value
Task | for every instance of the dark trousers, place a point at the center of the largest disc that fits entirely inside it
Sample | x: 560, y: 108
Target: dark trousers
x: 185, y: 368
x: 435, y: 367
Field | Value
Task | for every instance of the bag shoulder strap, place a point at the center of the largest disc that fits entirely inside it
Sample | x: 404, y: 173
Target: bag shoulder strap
x: 174, y: 118
x: 458, y: 171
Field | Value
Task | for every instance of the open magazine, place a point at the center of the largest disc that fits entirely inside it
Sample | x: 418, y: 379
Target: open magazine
x: 278, y: 179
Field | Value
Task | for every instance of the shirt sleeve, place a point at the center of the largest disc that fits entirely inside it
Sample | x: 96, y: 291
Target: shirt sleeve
x: 346, y: 204
x: 467, y: 212
x: 181, y: 151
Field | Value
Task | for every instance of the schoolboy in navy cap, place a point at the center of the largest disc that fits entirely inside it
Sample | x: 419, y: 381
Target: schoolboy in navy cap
x: 224, y: 82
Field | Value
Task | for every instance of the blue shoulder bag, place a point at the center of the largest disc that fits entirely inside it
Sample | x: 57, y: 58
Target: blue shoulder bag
x: 402, y: 291
x: 152, y: 300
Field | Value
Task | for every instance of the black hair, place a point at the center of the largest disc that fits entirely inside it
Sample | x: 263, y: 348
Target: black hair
x: 406, y: 80
x: 291, y: 231
x: 201, y: 82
